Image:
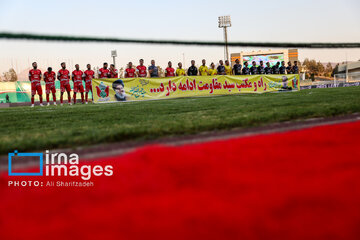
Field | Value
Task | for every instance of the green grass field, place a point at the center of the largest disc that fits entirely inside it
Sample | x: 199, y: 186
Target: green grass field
x: 40, y: 128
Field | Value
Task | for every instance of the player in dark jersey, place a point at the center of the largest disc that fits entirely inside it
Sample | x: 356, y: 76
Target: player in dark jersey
x: 268, y: 68
x: 253, y: 69
x: 289, y: 69
x: 275, y: 68
x: 237, y: 67
x: 192, y: 70
x: 221, y: 68
x: 282, y: 68
x: 246, y: 70
x: 295, y: 68
x: 261, y: 69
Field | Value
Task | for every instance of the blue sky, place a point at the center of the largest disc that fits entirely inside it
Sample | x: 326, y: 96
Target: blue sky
x: 296, y: 21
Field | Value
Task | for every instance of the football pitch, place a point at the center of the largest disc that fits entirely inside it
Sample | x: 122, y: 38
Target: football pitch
x: 40, y: 128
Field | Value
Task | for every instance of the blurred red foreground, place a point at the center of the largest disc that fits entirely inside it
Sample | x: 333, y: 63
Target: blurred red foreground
x: 297, y: 185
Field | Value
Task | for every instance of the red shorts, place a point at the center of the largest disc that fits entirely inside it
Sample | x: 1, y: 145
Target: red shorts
x: 88, y: 88
x: 78, y: 88
x: 50, y: 88
x: 65, y: 87
x: 36, y: 88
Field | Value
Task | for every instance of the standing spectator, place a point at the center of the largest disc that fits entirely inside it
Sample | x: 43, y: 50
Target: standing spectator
x: 268, y: 68
x: 130, y: 71
x: 192, y: 71
x: 203, y: 69
x: 246, y: 70
x: 261, y: 69
x: 153, y: 70
x: 237, y: 68
x: 114, y: 73
x: 253, y: 69
x: 180, y: 71
x: 221, y: 68
x: 228, y: 69
x: 141, y: 69
x: 295, y: 68
x: 169, y: 71
x: 282, y: 68
x: 275, y: 68
x: 212, y: 69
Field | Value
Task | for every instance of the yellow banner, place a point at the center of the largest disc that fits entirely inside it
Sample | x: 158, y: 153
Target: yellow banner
x: 135, y: 89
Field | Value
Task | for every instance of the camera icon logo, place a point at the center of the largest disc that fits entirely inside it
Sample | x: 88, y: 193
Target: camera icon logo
x: 16, y: 153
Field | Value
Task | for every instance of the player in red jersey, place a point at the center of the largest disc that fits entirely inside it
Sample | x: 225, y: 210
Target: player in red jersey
x: 49, y: 78
x: 88, y: 76
x: 169, y: 71
x: 114, y: 73
x: 35, y: 77
x: 64, y: 77
x: 104, y: 72
x: 141, y: 69
x: 130, y: 71
x: 77, y: 77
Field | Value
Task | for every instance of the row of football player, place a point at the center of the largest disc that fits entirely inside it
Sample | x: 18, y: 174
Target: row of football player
x: 261, y: 69
x: 78, y: 76
x: 237, y: 69
x: 63, y: 76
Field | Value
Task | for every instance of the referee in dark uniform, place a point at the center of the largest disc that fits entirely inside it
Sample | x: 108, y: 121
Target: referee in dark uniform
x: 192, y: 70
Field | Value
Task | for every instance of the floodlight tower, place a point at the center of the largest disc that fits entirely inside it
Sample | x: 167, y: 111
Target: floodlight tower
x: 114, y: 55
x: 225, y: 22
